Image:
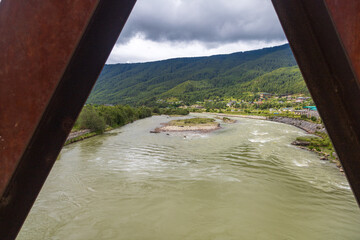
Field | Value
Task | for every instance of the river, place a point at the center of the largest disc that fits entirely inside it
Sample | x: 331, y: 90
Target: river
x: 244, y: 181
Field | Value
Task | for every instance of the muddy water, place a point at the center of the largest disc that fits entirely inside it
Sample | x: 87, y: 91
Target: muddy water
x: 244, y: 181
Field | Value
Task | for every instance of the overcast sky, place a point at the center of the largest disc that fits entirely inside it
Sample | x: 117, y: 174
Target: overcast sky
x: 162, y: 29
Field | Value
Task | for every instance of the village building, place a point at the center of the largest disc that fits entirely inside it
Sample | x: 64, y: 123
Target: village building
x: 231, y: 103
x: 300, y: 112
x: 197, y: 106
x: 308, y: 111
x: 265, y: 95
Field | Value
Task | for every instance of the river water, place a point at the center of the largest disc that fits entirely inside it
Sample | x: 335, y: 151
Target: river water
x: 244, y: 181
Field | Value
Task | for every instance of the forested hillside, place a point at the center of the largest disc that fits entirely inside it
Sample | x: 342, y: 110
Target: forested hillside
x: 272, y: 70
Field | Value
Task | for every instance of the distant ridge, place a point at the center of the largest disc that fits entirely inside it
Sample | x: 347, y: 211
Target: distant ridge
x: 193, y: 79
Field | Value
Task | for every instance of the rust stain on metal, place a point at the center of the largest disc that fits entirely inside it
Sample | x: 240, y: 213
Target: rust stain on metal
x: 324, y: 37
x: 52, y: 54
x: 37, y: 40
x: 346, y: 16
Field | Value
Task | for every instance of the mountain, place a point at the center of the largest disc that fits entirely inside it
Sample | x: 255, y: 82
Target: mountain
x: 271, y: 70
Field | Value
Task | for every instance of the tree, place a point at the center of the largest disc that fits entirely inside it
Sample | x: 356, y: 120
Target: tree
x: 156, y: 110
x: 90, y: 119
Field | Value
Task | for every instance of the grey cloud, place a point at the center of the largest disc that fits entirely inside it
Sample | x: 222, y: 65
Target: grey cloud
x: 209, y: 21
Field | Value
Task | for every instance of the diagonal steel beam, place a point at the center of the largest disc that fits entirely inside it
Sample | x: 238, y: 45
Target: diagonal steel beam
x: 324, y: 37
x: 51, y: 55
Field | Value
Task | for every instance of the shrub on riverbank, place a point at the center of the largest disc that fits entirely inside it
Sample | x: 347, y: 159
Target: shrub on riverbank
x: 321, y: 144
x: 322, y: 141
x: 90, y: 119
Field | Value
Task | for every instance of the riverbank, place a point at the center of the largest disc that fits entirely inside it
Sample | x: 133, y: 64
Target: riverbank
x: 309, y: 127
x: 79, y: 135
x: 96, y: 119
x: 326, y: 152
x: 238, y: 115
x: 83, y: 134
x: 320, y: 144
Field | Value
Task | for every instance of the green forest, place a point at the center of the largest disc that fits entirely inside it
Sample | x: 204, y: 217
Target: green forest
x: 273, y: 70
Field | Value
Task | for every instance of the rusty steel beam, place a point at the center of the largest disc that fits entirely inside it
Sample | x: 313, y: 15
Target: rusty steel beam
x: 324, y: 37
x: 51, y: 55
x: 346, y: 17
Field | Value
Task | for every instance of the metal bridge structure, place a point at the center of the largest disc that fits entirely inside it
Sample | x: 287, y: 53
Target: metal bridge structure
x: 53, y: 51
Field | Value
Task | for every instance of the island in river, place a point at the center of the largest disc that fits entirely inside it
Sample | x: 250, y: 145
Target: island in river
x: 191, y: 124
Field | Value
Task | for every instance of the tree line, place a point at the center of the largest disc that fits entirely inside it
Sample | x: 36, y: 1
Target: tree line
x: 99, y: 117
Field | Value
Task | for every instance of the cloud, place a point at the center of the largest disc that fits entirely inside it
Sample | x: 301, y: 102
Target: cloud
x: 161, y: 29
x: 208, y: 21
x: 139, y: 49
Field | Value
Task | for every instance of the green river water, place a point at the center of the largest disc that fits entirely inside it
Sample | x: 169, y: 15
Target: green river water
x: 244, y: 181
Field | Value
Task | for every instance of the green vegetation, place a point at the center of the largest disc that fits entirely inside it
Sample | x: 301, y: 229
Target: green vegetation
x: 184, y: 81
x: 192, y: 122
x: 321, y: 144
x: 98, y: 117
x: 90, y: 119
x: 226, y: 119
x: 287, y: 80
x: 173, y: 111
